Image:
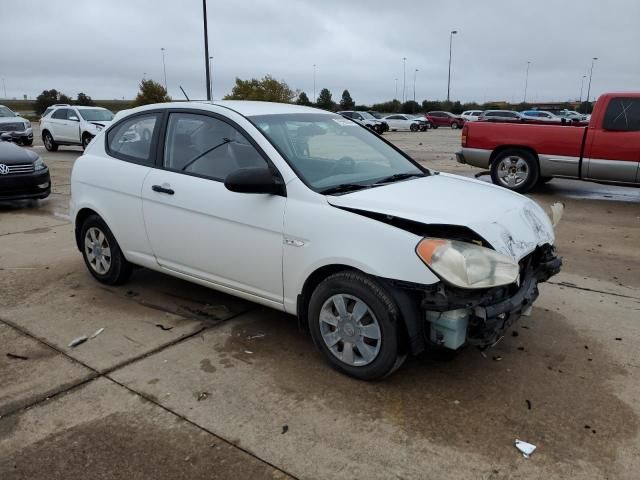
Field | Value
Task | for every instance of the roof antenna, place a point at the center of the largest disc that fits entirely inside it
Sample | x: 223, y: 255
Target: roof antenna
x: 184, y: 93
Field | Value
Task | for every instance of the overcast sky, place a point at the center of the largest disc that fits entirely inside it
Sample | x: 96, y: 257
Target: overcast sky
x: 103, y: 48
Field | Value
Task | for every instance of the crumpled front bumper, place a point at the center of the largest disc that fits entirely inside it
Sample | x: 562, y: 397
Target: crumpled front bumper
x: 493, y: 311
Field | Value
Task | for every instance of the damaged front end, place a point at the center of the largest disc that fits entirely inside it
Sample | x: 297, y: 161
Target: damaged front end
x: 486, y: 315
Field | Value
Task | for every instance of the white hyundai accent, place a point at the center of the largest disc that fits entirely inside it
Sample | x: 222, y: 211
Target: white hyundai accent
x: 312, y: 214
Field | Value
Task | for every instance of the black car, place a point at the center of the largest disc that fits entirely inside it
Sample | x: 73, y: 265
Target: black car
x: 23, y: 174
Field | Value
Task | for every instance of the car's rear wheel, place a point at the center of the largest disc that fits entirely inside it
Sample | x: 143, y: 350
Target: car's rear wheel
x: 102, y: 254
x: 516, y: 170
x: 86, y: 140
x: 455, y: 126
x: 352, y: 320
x: 49, y: 143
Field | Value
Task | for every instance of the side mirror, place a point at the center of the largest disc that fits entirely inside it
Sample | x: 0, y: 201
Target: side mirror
x: 74, y: 118
x: 254, y: 180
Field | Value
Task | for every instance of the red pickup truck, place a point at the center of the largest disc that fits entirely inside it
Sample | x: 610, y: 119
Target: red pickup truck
x: 522, y: 155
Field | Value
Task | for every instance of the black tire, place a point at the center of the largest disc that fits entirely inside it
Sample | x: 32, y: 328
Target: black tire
x: 49, y: 142
x: 27, y: 143
x: 119, y: 269
x: 543, y: 180
x: 515, y: 169
x: 362, y: 287
x: 455, y: 126
x: 413, y: 127
x: 86, y: 140
x: 435, y: 127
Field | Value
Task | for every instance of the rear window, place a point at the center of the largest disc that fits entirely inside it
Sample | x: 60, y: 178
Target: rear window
x: 623, y: 114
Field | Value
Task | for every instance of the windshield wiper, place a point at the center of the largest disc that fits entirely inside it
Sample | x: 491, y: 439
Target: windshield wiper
x: 344, y: 188
x: 398, y: 176
x: 191, y: 162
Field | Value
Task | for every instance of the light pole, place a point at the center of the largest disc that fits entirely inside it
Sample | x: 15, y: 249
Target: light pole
x: 211, y: 74
x: 404, y: 79
x: 164, y: 69
x: 314, y: 83
x: 206, y: 48
x: 593, y: 60
x: 526, y: 83
x: 453, y: 32
x: 581, y: 87
x: 4, y: 86
x: 396, y: 95
x: 415, y: 73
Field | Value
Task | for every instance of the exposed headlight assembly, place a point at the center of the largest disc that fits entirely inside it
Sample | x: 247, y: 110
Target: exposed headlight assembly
x: 39, y: 164
x: 466, y: 265
x: 27, y: 124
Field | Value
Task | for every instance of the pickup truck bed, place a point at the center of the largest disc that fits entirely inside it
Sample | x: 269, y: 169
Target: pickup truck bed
x: 522, y: 155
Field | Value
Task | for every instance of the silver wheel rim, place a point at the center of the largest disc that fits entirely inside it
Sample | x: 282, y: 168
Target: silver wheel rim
x: 97, y: 250
x: 47, y: 141
x: 454, y: 126
x: 350, y: 330
x: 513, y: 171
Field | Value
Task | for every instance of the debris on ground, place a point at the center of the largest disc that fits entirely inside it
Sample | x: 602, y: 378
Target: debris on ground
x: 203, y: 396
x: 497, y: 358
x: 285, y: 429
x: 557, y: 209
x: 514, y: 334
x: 78, y: 341
x: 456, y: 402
x: 97, y: 332
x: 248, y: 352
x: 15, y: 356
x: 257, y: 335
x: 528, y: 404
x: 483, y: 354
x: 162, y: 327
x: 525, y: 448
x: 619, y: 339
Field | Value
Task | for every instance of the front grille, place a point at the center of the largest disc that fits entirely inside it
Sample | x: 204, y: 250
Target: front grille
x: 12, y: 127
x: 20, y: 168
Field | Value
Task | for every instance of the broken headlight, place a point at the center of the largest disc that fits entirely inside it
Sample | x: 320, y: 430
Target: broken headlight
x: 467, y: 265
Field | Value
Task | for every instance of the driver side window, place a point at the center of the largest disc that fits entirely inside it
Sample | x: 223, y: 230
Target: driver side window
x: 207, y: 147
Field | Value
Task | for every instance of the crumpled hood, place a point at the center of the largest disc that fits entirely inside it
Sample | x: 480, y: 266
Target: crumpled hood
x: 513, y: 224
x: 13, y: 120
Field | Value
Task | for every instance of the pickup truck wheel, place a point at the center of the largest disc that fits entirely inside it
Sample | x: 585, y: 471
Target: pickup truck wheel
x: 516, y: 170
x: 49, y: 143
x: 352, y: 320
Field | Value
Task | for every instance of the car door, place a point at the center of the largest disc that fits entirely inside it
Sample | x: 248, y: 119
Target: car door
x: 612, y: 151
x: 394, y: 121
x: 58, y: 125
x: 438, y: 118
x: 199, y: 228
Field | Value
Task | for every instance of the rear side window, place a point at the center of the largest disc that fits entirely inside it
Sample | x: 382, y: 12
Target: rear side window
x: 60, y: 114
x: 131, y: 139
x: 623, y: 115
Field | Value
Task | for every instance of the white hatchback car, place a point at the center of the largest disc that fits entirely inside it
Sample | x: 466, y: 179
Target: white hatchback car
x: 312, y: 214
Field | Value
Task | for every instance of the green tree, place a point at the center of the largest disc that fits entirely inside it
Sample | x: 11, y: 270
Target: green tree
x: 48, y: 98
x: 303, y: 100
x: 346, y: 102
x: 410, y: 107
x: 392, y: 106
x: 431, y: 105
x: 268, y: 89
x: 324, y: 100
x: 150, y: 92
x: 84, y: 99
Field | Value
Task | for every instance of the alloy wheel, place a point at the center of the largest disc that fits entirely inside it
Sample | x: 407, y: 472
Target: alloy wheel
x: 97, y: 250
x: 513, y: 171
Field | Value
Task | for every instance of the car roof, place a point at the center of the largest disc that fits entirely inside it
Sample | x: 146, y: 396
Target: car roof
x: 247, y: 108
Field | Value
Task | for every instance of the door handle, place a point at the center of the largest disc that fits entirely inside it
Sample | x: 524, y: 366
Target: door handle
x: 160, y: 189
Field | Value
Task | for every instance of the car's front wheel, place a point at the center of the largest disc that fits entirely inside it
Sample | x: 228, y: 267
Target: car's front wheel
x: 49, y: 142
x: 353, y: 321
x: 86, y: 140
x: 413, y: 127
x: 455, y: 126
x: 102, y: 254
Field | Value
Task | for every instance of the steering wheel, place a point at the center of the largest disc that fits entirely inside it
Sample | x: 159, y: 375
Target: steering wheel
x: 344, y: 165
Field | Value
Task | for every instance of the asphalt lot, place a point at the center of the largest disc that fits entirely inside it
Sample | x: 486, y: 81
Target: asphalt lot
x: 185, y: 382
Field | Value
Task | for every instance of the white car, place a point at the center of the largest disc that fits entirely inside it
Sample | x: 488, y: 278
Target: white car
x: 471, y: 115
x: 310, y: 213
x: 542, y: 116
x: 400, y: 121
x: 72, y: 125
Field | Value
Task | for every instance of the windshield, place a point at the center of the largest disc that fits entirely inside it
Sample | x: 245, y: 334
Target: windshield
x: 367, y: 115
x: 328, y: 151
x: 376, y: 115
x: 5, y: 112
x: 96, y: 114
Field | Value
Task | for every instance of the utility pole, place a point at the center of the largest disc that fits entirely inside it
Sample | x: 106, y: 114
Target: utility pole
x: 581, y: 88
x: 593, y: 60
x: 314, y: 83
x: 453, y: 32
x: 206, y: 48
x: 526, y: 83
x: 415, y: 73
x: 404, y: 79
x: 211, y: 75
x: 396, y: 95
x: 164, y: 69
